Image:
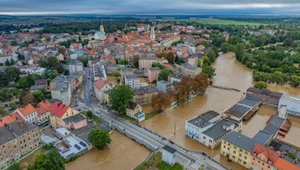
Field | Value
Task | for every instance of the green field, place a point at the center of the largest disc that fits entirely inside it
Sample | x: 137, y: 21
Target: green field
x: 218, y: 22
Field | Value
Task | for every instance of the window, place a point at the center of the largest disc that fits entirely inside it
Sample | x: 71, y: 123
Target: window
x: 234, y: 152
x: 246, y: 152
x: 240, y: 155
x: 259, y: 162
x: 233, y: 157
x: 253, y: 159
x: 263, y: 163
x: 244, y: 163
x: 210, y: 141
x: 245, y: 157
x: 241, y: 150
x: 269, y: 167
x: 240, y: 160
x: 234, y: 147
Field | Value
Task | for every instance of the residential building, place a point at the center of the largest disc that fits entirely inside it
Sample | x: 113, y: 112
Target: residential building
x: 135, y: 111
x: 263, y: 137
x: 263, y: 158
x: 17, y: 139
x: 213, y: 135
x: 292, y: 104
x: 62, y: 87
x: 9, y: 119
x: 143, y: 95
x: 99, y: 72
x: 282, y: 164
x: 153, y: 73
x: 65, y: 116
x: 164, y: 86
x: 189, y: 70
x: 169, y: 155
x: 100, y: 87
x: 43, y: 111
x: 28, y: 113
x: 32, y: 69
x: 195, y: 126
x: 168, y: 42
x: 264, y: 95
x: 111, y: 68
x: 238, y: 148
x: 133, y: 81
x: 75, y: 66
x: 146, y: 62
x: 124, y: 72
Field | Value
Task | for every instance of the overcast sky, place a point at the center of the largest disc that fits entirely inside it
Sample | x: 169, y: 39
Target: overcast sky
x: 149, y: 6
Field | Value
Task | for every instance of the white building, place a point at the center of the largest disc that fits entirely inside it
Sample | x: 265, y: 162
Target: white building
x: 31, y: 69
x: 28, y: 113
x: 100, y: 87
x: 99, y: 72
x: 292, y: 104
x: 164, y: 86
x: 75, y: 66
x: 197, y: 125
x: 133, y: 81
x: 169, y: 155
x: 135, y: 111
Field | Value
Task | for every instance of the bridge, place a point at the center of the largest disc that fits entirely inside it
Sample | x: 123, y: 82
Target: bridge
x: 192, y: 160
x: 225, y: 88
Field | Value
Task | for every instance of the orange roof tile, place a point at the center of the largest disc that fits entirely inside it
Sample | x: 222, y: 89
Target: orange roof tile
x: 45, y: 104
x: 269, y: 153
x: 59, y: 109
x: 27, y: 110
x: 9, y: 119
x: 282, y: 164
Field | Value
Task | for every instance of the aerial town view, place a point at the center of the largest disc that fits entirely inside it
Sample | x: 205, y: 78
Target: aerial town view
x: 133, y: 85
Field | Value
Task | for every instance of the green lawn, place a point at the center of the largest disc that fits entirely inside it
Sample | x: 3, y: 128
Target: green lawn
x: 218, y: 22
x: 127, y: 117
x: 95, y: 119
x: 164, y: 166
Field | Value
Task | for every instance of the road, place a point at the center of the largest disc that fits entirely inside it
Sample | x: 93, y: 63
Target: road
x: 152, y: 140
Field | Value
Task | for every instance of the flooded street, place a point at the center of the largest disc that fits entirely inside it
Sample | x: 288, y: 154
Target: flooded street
x: 122, y: 154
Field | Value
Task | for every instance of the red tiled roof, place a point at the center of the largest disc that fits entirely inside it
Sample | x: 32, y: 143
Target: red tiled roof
x: 269, y: 153
x: 45, y: 104
x: 282, y: 164
x: 9, y: 119
x: 100, y: 83
x: 27, y: 110
x: 59, y: 109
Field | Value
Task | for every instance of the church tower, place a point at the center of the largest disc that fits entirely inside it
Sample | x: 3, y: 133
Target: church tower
x: 102, y: 29
x: 152, y: 34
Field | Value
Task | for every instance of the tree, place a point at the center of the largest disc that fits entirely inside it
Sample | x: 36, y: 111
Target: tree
x: 225, y: 47
x: 261, y: 85
x: 13, y: 73
x: 29, y: 99
x: 158, y: 65
x: 119, y: 97
x: 2, y: 111
x: 7, y: 63
x: 89, y: 114
x: 39, y: 96
x: 84, y: 61
x: 160, y: 100
x: 4, y: 79
x: 239, y: 51
x: 50, y: 161
x: 99, y: 138
x: 135, y: 61
x: 202, y: 81
x: 209, y: 71
x: 170, y: 57
x: 13, y: 105
x: 13, y: 43
x: 211, y: 55
x: 288, y: 42
x: 164, y: 74
x: 48, y: 39
x: 15, y: 166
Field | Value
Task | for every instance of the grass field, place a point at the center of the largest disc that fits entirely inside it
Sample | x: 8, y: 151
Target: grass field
x: 218, y: 22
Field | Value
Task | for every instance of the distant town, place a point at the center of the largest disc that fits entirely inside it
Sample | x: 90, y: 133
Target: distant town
x: 196, y: 93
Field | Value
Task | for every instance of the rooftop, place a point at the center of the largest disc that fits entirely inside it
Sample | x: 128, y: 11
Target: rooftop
x: 132, y: 77
x: 154, y: 69
x: 148, y: 58
x: 238, y: 110
x: 271, y: 155
x: 264, y: 92
x: 217, y: 130
x: 27, y: 110
x: 263, y: 137
x: 249, y: 102
x: 75, y: 118
x: 292, y: 99
x: 146, y: 89
x: 169, y: 149
x: 6, y: 135
x: 188, y: 66
x: 59, y: 109
x: 283, y: 164
x: 203, y: 119
x: 240, y: 141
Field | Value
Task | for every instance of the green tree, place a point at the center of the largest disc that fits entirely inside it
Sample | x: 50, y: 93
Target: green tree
x: 158, y: 65
x: 135, y: 61
x: 239, y: 51
x: 225, y: 47
x: 288, y: 42
x: 13, y: 43
x: 39, y: 96
x: 99, y: 138
x: 7, y: 63
x: 50, y: 161
x: 170, y: 57
x: 89, y: 114
x: 48, y: 39
x: 15, y: 166
x: 4, y: 79
x: 13, y: 73
x: 164, y: 73
x: 209, y: 71
x: 13, y: 105
x: 84, y: 61
x: 212, y: 56
x: 119, y: 97
x: 261, y: 85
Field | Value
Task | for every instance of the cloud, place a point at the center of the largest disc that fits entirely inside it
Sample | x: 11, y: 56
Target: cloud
x: 143, y: 6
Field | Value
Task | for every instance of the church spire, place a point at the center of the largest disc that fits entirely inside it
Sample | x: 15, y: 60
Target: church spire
x: 152, y: 34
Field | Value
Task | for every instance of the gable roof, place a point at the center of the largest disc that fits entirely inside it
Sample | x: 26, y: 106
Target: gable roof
x: 132, y: 105
x: 59, y: 109
x: 271, y: 155
x: 9, y: 119
x: 282, y: 164
x: 100, y: 83
x: 27, y: 110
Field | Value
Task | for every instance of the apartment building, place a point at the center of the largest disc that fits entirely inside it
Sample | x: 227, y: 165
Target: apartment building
x: 143, y: 95
x: 189, y: 70
x: 146, y: 62
x: 153, y: 73
x: 133, y: 81
x: 28, y: 113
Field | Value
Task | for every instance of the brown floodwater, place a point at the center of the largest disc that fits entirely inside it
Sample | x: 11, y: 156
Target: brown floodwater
x: 122, y: 154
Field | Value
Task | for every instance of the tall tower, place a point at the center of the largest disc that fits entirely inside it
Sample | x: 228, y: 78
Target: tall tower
x: 152, y: 34
x: 102, y: 29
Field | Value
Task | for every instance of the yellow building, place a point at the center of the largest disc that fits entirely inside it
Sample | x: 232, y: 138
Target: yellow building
x: 238, y: 148
x: 60, y: 111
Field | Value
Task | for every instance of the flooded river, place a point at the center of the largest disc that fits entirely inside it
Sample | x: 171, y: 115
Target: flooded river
x: 123, y: 153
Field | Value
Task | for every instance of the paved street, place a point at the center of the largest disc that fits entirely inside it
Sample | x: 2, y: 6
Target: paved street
x: 153, y: 141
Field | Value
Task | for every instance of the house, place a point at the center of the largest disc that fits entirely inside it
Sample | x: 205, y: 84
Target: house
x: 282, y: 164
x: 18, y: 138
x: 238, y: 148
x: 164, y: 86
x: 135, y: 111
x: 146, y: 62
x: 169, y: 155
x: 244, y: 109
x: 64, y: 116
x: 75, y: 46
x: 189, y: 70
x: 9, y: 119
x: 28, y: 113
x: 99, y: 72
x: 263, y: 157
x: 124, y: 72
x: 195, y: 126
x: 133, y: 81
x: 75, y: 66
x: 153, y: 73
x: 143, y: 95
x: 292, y: 104
x: 43, y: 111
x: 100, y: 87
x: 111, y: 68
x: 264, y: 95
x: 213, y: 135
x: 263, y: 137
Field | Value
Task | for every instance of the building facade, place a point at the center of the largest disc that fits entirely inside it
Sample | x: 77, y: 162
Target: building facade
x: 153, y: 73
x: 164, y: 86
x: 264, y: 95
x: 189, y: 70
x: 133, y: 81
x: 292, y: 104
x: 146, y: 62
x: 28, y: 113
x: 143, y: 95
